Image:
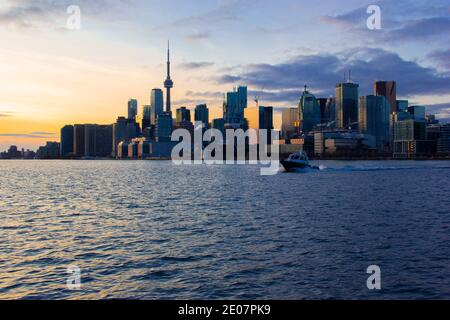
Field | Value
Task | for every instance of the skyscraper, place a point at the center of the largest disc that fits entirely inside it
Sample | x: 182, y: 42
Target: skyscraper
x: 387, y: 89
x: 163, y: 127
x: 402, y: 105
x: 309, y: 111
x: 418, y: 112
x: 259, y: 118
x: 183, y: 115
x: 132, y: 109
x: 78, y: 140
x: 146, y: 117
x: 322, y: 102
x: 234, y: 106
x: 201, y: 114
x: 157, y: 103
x: 330, y: 110
x: 219, y: 124
x: 103, y: 140
x: 289, y: 122
x: 374, y: 119
x: 123, y: 130
x: 346, y: 104
x: 168, y: 84
x: 90, y: 133
x: 66, y: 141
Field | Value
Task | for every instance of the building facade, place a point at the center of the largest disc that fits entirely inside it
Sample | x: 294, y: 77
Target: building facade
x: 201, y: 114
x: 346, y: 104
x: 132, y: 109
x: 387, y: 89
x: 309, y: 112
x: 67, y: 141
x: 374, y: 119
x: 233, y: 107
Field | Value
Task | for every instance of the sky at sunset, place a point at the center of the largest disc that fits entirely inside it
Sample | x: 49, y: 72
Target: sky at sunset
x: 52, y: 76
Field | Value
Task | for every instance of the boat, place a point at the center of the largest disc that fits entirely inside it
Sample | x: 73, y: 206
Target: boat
x: 297, y: 161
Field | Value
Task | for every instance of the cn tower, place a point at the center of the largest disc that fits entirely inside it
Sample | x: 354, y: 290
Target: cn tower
x: 168, y: 84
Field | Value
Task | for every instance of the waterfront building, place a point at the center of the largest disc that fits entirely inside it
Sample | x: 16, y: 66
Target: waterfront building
x: 89, y: 140
x: 78, y: 140
x: 309, y: 112
x: 290, y: 125
x: 51, y: 150
x: 122, y: 150
x: 67, y: 141
x: 233, y: 107
x: 98, y: 140
x: 443, y: 143
x: 346, y: 104
x: 201, y: 114
x: 157, y: 103
x: 132, y: 109
x: 374, y: 119
x: 387, y: 89
x: 13, y: 153
x: 410, y: 139
x: 163, y: 127
x: 332, y: 142
x: 183, y: 115
x: 103, y: 140
x: 123, y: 130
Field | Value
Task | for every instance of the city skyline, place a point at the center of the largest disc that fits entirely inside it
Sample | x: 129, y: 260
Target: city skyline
x: 77, y: 82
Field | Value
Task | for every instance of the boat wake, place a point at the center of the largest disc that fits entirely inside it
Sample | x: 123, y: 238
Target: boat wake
x: 379, y: 168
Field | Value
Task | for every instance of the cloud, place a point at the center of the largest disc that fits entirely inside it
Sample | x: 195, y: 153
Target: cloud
x: 441, y: 110
x: 28, y: 135
x: 265, y: 97
x: 5, y: 115
x: 19, y: 14
x: 224, y: 12
x: 402, y: 21
x: 422, y: 29
x: 196, y: 65
x: 43, y: 133
x: 322, y: 72
x: 442, y: 57
x: 198, y: 36
x: 205, y: 94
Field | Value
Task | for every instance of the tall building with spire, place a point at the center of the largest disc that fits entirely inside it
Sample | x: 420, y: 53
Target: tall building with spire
x: 168, y: 84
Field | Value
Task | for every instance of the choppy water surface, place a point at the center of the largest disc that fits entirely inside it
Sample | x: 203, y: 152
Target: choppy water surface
x: 151, y: 230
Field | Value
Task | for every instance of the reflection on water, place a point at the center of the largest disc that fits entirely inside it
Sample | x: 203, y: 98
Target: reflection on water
x: 153, y: 230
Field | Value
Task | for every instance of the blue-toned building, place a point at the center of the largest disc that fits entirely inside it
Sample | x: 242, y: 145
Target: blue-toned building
x: 201, y: 114
x: 157, y: 103
x: 374, y: 119
x: 347, y: 94
x: 234, y: 106
x: 163, y: 127
x: 66, y: 141
x: 132, y: 109
x: 183, y: 114
x: 309, y: 112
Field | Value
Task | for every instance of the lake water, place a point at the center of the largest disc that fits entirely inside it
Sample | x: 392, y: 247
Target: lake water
x: 152, y: 230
